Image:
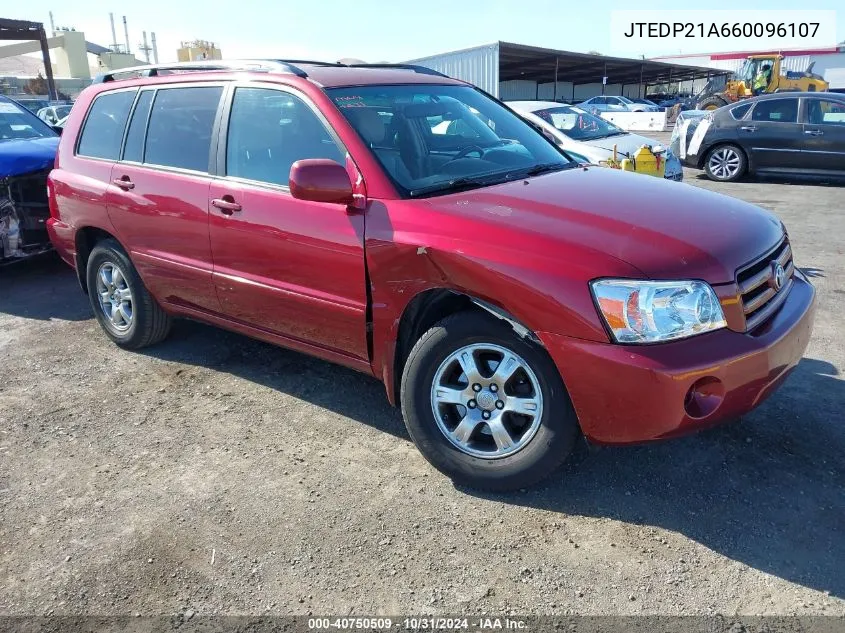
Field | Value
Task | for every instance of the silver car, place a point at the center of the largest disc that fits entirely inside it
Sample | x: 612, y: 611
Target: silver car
x: 576, y: 130
x: 616, y: 104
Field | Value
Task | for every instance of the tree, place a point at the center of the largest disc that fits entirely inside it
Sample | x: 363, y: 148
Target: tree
x: 38, y: 86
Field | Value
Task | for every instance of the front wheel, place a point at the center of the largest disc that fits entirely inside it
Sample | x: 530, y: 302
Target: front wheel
x: 484, y: 406
x: 725, y: 163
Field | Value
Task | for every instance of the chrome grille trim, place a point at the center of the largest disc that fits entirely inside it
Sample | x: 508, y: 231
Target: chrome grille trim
x: 759, y: 298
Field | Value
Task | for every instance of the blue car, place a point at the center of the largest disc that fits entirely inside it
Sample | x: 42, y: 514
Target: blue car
x: 27, y: 152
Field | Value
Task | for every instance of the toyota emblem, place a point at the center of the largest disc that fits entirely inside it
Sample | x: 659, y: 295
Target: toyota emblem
x: 778, y: 276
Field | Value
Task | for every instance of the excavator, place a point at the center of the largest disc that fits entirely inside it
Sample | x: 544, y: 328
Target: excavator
x: 726, y: 89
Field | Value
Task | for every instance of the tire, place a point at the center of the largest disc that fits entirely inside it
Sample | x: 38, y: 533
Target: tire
x: 139, y: 320
x: 540, y: 442
x: 725, y: 163
x: 712, y: 103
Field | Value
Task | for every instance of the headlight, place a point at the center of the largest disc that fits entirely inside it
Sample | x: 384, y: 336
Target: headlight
x: 656, y: 311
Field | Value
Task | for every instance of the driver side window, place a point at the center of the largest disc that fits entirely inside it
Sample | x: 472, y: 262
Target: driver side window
x: 269, y: 130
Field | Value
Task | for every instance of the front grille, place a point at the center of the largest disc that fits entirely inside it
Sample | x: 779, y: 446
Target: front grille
x: 761, y: 295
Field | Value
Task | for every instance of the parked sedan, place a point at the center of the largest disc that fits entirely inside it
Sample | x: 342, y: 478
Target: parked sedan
x: 575, y: 130
x: 616, y: 104
x: 780, y: 133
x: 51, y: 115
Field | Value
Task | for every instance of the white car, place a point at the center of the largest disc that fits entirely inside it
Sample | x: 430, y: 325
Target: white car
x: 576, y: 130
x: 51, y: 115
x: 616, y: 104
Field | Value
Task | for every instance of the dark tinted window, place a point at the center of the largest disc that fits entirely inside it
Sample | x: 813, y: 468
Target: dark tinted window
x: 104, y: 125
x: 740, y: 111
x: 269, y: 131
x: 825, y: 112
x: 179, y: 133
x: 779, y: 110
x: 133, y: 149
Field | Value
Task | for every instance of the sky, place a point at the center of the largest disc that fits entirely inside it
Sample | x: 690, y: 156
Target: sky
x: 372, y: 30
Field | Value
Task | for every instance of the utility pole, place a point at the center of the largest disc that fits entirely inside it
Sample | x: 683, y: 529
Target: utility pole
x: 145, y: 48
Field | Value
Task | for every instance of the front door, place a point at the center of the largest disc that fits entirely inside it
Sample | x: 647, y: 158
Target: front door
x: 158, y: 198
x: 286, y: 266
x: 824, y: 134
x: 772, y: 134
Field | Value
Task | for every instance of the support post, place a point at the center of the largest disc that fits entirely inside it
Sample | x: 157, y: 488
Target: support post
x: 48, y: 67
x: 640, y: 89
x: 557, y: 62
x: 603, y: 78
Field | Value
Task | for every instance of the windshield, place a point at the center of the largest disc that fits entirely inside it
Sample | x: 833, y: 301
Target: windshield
x: 18, y: 123
x: 435, y: 138
x: 578, y: 124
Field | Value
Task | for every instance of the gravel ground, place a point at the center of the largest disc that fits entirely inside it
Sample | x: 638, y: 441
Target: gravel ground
x: 215, y: 474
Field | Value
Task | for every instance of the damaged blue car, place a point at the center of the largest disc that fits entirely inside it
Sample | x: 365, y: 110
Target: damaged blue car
x: 27, y: 152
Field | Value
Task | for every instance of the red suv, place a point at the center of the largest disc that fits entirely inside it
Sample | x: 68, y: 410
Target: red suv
x: 407, y: 225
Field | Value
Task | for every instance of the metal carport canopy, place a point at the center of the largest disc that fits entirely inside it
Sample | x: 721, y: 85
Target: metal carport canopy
x: 517, y: 61
x: 23, y: 30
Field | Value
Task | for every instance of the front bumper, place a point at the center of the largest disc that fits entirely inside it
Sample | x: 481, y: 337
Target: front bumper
x: 625, y: 394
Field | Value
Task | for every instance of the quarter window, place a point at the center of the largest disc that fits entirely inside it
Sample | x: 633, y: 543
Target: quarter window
x: 776, y: 110
x: 740, y: 111
x: 181, y: 123
x: 269, y: 130
x: 103, y: 131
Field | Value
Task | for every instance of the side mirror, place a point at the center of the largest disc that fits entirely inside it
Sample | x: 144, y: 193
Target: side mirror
x: 58, y: 129
x: 320, y: 180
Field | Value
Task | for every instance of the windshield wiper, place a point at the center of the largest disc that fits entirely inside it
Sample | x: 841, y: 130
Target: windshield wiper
x: 458, y: 184
x: 543, y: 168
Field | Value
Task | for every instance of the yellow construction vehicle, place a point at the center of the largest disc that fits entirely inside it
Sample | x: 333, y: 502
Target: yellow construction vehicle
x: 759, y: 74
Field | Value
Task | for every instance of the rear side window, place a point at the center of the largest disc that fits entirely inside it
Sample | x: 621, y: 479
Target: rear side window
x: 103, y: 131
x: 740, y: 111
x: 133, y: 149
x: 181, y: 122
x: 776, y: 110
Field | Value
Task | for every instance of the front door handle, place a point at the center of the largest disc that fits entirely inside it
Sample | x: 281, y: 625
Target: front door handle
x: 749, y: 128
x: 226, y: 204
x: 814, y: 132
x: 124, y: 183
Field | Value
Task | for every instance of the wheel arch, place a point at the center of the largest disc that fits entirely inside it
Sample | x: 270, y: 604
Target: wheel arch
x: 721, y: 143
x: 86, y: 239
x: 427, y: 308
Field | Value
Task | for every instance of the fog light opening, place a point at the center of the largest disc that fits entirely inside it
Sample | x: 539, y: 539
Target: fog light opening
x: 704, y: 397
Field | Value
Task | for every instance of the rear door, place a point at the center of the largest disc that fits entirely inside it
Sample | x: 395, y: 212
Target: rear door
x: 772, y: 135
x: 158, y: 199
x: 824, y: 133
x: 284, y: 265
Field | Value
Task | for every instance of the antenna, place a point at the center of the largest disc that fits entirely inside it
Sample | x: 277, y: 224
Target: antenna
x: 114, y: 45
x: 145, y: 48
x: 126, y: 34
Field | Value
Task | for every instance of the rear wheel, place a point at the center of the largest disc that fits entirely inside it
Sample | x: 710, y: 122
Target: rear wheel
x: 725, y: 163
x: 485, y: 406
x: 122, y: 305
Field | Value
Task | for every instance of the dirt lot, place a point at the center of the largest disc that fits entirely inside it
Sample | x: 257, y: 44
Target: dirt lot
x: 216, y: 474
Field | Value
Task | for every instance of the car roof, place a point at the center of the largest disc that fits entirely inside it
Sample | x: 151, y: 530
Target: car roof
x: 323, y: 74
x: 782, y: 95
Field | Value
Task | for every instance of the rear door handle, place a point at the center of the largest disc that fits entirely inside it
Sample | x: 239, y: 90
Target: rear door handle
x: 226, y: 204
x: 814, y: 132
x: 749, y: 128
x: 124, y: 183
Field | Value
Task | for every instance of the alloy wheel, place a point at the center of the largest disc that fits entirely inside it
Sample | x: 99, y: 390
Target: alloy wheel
x: 486, y: 401
x: 724, y: 163
x: 115, y: 296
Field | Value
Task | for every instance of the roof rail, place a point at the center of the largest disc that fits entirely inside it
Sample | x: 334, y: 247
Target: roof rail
x: 153, y: 70
x: 422, y: 70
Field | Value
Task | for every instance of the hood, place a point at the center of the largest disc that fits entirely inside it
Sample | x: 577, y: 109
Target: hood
x: 21, y: 156
x: 628, y: 143
x: 665, y: 229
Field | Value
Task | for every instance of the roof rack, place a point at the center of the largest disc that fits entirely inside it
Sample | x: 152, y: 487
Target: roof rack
x: 154, y: 70
x: 256, y: 65
x: 422, y: 70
